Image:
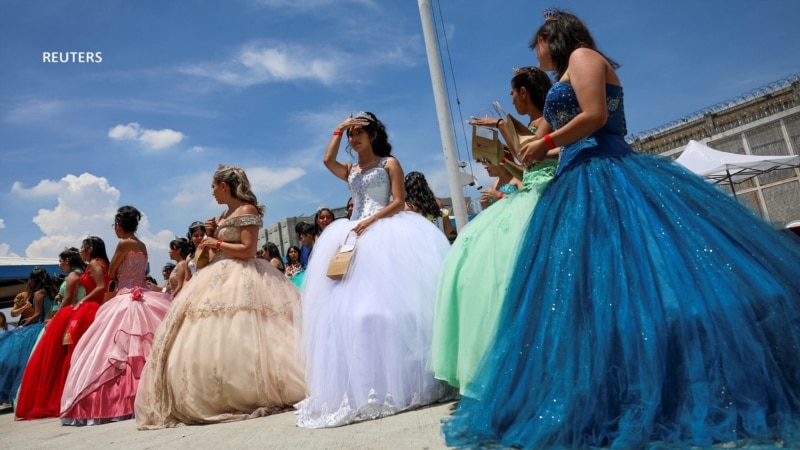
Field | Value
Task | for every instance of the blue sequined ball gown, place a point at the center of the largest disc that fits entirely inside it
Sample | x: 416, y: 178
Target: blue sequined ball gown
x: 646, y: 307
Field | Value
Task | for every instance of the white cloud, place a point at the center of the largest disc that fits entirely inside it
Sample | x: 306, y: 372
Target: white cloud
x: 5, y: 251
x: 152, y: 139
x: 125, y: 132
x: 258, y: 64
x: 2, y: 224
x: 158, y: 139
x: 34, y: 110
x: 43, y: 189
x: 85, y: 205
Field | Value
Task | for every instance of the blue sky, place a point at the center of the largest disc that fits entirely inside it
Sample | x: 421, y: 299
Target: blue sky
x: 186, y: 85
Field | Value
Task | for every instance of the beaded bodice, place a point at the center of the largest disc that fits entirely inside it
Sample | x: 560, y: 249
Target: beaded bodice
x: 371, y: 190
x: 132, y: 270
x: 561, y: 106
x: 230, y: 230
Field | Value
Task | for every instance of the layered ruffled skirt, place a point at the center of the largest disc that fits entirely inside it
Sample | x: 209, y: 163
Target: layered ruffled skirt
x: 107, y: 363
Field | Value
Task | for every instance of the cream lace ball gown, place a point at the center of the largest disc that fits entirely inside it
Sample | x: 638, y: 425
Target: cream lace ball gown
x: 226, y: 350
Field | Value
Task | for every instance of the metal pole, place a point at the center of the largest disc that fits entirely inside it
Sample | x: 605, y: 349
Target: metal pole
x: 443, y: 114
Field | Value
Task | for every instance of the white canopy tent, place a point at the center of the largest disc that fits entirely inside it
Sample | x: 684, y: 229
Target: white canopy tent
x: 718, y: 167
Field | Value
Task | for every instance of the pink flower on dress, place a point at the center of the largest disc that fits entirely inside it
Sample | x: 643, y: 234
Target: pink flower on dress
x: 136, y: 293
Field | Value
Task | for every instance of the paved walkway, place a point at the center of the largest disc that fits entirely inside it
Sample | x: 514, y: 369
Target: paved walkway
x: 407, y: 431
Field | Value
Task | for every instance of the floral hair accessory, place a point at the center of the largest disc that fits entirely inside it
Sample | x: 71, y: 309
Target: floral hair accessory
x: 551, y: 14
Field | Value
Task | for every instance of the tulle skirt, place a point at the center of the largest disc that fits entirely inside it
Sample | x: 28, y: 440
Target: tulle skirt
x: 108, y: 360
x: 367, y: 336
x: 225, y: 350
x: 15, y: 350
x: 46, y: 372
x: 647, y: 306
x: 474, y: 279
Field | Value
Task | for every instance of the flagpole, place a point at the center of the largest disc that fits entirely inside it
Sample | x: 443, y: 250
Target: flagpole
x: 443, y: 115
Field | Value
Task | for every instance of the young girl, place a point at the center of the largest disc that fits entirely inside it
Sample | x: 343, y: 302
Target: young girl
x: 367, y: 336
x: 647, y: 307
x: 107, y: 362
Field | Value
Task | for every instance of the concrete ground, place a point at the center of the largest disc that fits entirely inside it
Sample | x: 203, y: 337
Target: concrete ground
x: 407, y: 431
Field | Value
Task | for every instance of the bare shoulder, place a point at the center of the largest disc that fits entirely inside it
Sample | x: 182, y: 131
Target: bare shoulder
x: 392, y: 163
x: 249, y: 209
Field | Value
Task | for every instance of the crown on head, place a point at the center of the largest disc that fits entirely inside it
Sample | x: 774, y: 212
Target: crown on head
x: 551, y: 14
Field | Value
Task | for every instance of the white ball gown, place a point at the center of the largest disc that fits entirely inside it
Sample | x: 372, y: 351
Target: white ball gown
x: 367, y: 337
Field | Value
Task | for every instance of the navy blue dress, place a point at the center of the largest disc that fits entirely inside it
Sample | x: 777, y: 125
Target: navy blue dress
x: 646, y: 307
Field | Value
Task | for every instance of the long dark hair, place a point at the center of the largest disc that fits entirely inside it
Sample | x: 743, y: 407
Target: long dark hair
x: 420, y: 196
x: 535, y: 81
x: 181, y: 244
x: 39, y: 279
x: 98, y: 247
x: 377, y: 134
x: 564, y: 33
x: 289, y: 251
x: 196, y: 225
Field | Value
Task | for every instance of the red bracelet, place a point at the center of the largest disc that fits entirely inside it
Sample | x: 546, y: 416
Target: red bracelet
x: 504, y: 160
x: 549, y: 141
x: 337, y: 133
x: 219, y: 244
x: 501, y: 196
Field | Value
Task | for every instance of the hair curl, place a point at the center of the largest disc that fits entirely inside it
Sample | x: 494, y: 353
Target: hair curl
x: 128, y: 218
x: 236, y: 179
x: 420, y: 196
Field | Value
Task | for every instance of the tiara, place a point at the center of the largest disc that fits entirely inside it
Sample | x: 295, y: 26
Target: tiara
x: 551, y: 14
x: 518, y: 70
x: 366, y: 116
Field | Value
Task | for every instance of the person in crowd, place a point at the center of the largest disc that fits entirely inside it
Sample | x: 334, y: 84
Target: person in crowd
x: 477, y: 270
x: 102, y: 389
x: 294, y: 269
x: 4, y: 325
x: 46, y: 372
x: 647, y: 307
x: 349, y: 208
x: 226, y: 350
x: 420, y: 199
x: 293, y: 265
x: 271, y: 253
x: 504, y: 184
x: 166, y: 273
x: 97, y: 282
x: 16, y: 344
x: 179, y: 250
x: 307, y: 235
x: 22, y: 307
x: 195, y: 235
x: 323, y: 218
x: 366, y: 336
